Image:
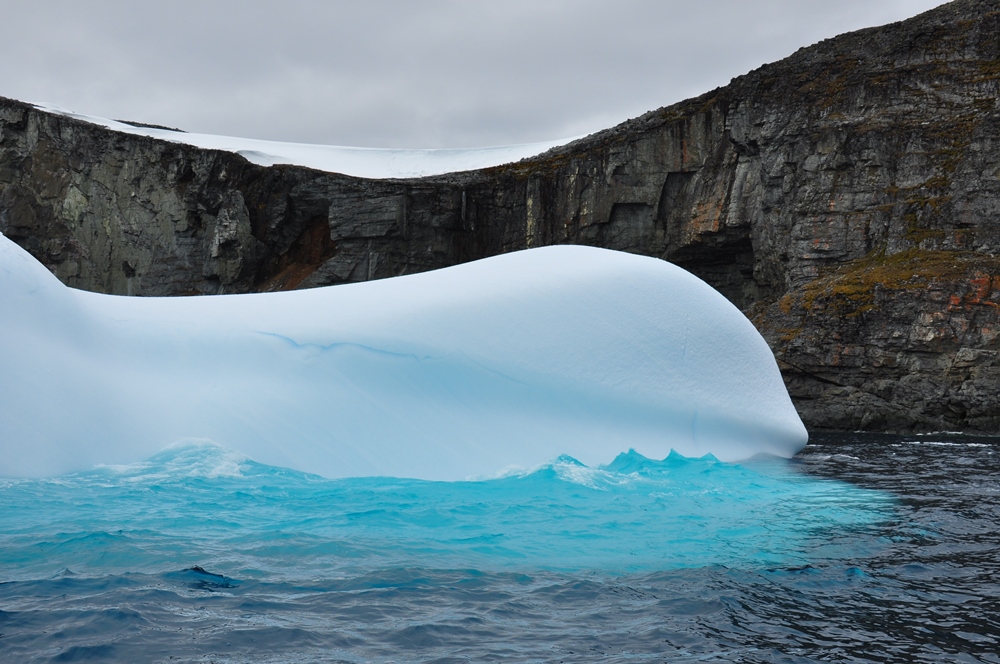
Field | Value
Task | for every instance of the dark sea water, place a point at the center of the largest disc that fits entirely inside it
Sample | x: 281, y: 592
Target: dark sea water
x: 862, y: 548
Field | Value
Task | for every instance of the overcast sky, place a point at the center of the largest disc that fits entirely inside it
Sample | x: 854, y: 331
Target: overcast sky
x: 402, y: 73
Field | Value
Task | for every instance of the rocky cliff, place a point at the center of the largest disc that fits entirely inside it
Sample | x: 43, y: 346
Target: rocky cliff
x: 845, y: 198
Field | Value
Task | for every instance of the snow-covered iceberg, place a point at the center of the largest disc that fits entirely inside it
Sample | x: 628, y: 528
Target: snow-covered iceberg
x: 468, y: 371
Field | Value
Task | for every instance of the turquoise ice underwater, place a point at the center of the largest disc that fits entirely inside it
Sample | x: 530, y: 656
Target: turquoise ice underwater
x: 454, y: 462
x: 143, y: 434
x: 206, y: 506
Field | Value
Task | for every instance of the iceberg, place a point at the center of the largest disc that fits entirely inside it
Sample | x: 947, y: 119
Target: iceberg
x: 465, y: 372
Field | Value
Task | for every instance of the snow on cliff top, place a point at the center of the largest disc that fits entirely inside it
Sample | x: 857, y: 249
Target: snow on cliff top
x: 375, y: 163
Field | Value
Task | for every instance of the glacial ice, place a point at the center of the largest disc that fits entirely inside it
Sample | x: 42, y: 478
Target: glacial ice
x: 468, y: 371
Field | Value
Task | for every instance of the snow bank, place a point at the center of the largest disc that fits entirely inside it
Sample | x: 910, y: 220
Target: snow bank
x: 374, y: 163
x: 468, y: 371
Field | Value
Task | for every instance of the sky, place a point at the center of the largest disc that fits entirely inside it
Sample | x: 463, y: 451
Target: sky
x: 402, y: 73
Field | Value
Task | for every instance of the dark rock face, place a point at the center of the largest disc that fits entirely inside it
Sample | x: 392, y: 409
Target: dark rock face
x: 846, y: 198
x: 894, y: 343
x: 118, y: 213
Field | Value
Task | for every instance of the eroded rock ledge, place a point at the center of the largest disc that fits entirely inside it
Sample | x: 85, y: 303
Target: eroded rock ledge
x: 846, y: 198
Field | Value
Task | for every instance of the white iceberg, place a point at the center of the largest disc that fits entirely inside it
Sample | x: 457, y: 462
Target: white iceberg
x: 376, y: 163
x: 468, y: 371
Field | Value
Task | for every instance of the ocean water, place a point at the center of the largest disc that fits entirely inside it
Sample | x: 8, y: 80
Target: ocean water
x: 862, y: 548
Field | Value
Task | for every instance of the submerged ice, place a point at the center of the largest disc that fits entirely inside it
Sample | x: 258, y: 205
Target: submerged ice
x: 507, y: 362
x: 202, y: 505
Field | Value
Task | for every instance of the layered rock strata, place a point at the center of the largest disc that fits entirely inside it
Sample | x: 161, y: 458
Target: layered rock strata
x: 846, y: 198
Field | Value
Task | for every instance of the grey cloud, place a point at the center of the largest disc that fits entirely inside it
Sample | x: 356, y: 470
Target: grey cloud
x: 402, y: 73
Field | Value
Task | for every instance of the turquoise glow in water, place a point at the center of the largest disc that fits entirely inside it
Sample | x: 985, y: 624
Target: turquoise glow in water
x: 205, y: 506
x: 862, y: 548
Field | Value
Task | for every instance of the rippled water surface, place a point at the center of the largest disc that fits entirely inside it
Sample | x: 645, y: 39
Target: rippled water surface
x: 861, y: 549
